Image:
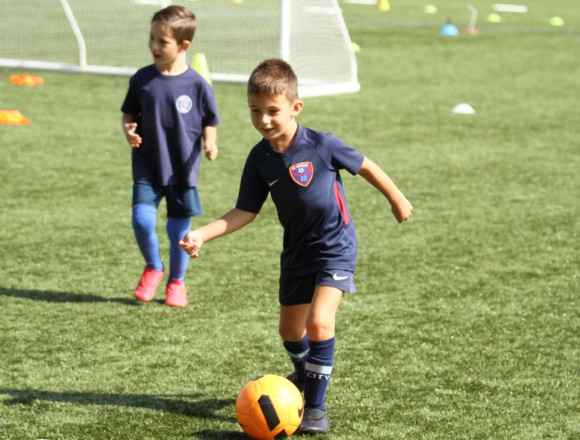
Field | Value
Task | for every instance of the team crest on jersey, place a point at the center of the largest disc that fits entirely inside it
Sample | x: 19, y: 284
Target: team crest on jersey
x: 302, y: 173
x: 183, y: 104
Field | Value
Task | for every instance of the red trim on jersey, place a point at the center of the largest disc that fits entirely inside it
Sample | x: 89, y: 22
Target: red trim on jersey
x: 341, y: 204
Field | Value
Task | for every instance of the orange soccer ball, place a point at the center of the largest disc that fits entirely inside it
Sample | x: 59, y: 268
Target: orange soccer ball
x: 269, y: 407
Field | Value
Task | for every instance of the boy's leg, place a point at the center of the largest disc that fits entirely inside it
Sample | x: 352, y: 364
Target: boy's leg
x: 178, y: 258
x: 146, y: 198
x: 320, y: 325
x: 293, y: 332
x: 182, y: 203
x: 176, y: 292
x: 144, y: 219
x: 297, y: 352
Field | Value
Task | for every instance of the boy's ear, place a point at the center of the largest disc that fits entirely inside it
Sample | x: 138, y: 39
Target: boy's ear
x: 297, y: 107
x: 185, y: 45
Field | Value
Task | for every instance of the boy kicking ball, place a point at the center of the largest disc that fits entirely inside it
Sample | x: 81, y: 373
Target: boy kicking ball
x: 299, y: 168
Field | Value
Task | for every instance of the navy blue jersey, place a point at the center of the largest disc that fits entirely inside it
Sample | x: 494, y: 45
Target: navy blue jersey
x: 307, y: 190
x: 172, y: 111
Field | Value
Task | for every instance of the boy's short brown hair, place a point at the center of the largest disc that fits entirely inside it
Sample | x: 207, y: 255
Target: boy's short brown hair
x: 274, y: 77
x: 179, y: 19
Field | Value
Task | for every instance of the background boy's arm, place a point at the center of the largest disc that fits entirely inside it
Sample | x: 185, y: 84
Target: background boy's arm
x: 209, y: 142
x: 129, y: 122
x: 228, y: 223
x: 400, y: 206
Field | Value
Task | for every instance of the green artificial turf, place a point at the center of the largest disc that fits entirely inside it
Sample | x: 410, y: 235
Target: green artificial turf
x: 466, y: 321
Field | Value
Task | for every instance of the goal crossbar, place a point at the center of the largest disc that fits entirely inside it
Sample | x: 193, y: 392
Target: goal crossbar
x: 110, y: 37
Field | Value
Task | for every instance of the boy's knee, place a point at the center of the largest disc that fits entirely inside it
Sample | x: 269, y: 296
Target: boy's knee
x: 319, y: 329
x: 144, y: 217
x: 291, y: 334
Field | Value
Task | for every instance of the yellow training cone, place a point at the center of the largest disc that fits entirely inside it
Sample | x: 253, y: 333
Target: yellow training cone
x: 200, y: 66
x: 384, y: 5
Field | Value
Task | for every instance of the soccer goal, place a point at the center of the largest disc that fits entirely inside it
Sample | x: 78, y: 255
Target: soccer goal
x: 111, y: 37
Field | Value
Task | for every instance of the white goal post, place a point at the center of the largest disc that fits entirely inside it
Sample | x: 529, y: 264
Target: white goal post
x: 110, y: 37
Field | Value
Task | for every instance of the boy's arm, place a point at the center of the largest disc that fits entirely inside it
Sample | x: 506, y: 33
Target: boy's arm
x: 228, y: 223
x: 129, y: 122
x: 209, y: 142
x: 400, y: 206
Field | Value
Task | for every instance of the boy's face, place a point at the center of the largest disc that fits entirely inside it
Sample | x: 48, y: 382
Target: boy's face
x: 164, y: 47
x: 273, y: 117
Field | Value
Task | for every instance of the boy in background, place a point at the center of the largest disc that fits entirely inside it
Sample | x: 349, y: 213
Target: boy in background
x: 299, y: 168
x: 169, y: 108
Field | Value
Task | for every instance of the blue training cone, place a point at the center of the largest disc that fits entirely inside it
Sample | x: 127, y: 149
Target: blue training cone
x: 449, y: 30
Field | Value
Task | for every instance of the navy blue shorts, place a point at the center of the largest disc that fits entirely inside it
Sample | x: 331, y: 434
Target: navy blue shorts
x: 182, y: 201
x: 300, y: 289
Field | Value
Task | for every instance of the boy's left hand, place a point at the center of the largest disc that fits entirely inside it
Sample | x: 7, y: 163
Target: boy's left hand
x: 402, y: 210
x: 211, y: 151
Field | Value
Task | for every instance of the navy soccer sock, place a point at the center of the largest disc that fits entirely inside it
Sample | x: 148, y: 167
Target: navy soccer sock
x: 298, y: 352
x: 318, y: 368
x: 178, y: 258
x: 144, y: 219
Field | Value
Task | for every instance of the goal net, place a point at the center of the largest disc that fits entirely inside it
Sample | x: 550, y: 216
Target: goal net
x: 111, y: 36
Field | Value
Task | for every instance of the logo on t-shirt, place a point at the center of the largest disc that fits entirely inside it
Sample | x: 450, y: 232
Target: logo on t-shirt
x: 183, y: 104
x: 302, y: 173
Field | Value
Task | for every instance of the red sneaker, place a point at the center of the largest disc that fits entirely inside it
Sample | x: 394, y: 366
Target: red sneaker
x: 148, y: 284
x: 176, y: 294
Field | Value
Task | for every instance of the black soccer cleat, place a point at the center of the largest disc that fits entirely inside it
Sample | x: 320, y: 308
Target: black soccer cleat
x: 293, y: 377
x: 315, y: 421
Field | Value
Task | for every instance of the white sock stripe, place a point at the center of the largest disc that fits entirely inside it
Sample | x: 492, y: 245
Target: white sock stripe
x: 298, y: 356
x: 320, y: 369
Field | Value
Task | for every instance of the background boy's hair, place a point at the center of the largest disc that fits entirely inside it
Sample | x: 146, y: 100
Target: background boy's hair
x: 273, y: 77
x: 179, y: 19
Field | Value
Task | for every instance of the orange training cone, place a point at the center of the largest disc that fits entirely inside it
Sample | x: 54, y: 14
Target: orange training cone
x: 13, y: 117
x: 24, y: 79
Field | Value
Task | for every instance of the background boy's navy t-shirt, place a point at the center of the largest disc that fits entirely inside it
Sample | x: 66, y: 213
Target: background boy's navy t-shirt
x: 172, y: 110
x: 306, y: 188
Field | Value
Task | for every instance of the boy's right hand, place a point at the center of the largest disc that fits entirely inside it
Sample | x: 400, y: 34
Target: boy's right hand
x: 133, y: 138
x: 211, y: 151
x: 192, y: 243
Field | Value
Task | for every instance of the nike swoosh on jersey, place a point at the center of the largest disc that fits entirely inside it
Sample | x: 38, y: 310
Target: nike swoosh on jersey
x: 273, y: 182
x: 336, y: 277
